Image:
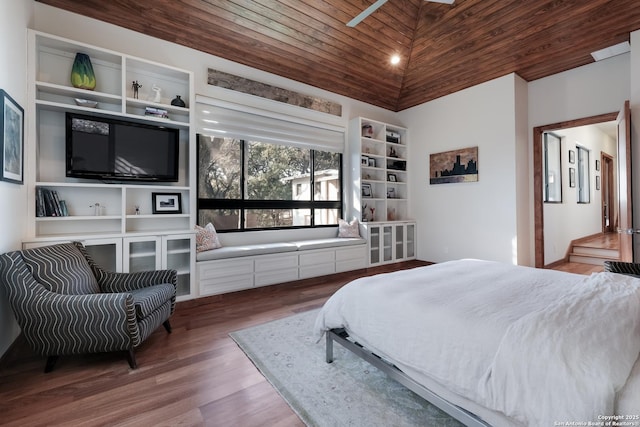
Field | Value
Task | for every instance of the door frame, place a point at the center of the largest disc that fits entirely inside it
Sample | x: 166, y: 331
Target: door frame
x: 538, y: 203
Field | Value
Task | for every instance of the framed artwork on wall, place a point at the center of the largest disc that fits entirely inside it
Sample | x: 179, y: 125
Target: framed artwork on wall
x: 12, y: 139
x: 454, y: 166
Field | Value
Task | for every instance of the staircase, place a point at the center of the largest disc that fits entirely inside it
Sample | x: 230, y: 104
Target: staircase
x: 595, y: 250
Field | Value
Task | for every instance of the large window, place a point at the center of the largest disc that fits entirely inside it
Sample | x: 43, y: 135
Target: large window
x: 250, y: 185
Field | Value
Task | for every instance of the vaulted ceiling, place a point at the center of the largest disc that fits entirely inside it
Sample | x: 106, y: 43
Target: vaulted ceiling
x: 443, y: 48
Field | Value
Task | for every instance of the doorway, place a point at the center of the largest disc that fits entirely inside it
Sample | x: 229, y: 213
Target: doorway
x: 609, y: 224
x: 538, y: 133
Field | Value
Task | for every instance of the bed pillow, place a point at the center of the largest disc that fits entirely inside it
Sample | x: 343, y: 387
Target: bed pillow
x: 348, y: 229
x: 206, y: 238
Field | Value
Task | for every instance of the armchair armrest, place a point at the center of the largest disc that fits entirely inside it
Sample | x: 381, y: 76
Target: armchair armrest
x: 125, y: 282
x: 628, y: 268
x: 71, y: 324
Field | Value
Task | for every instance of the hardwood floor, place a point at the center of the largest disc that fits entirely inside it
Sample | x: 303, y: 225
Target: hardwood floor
x: 196, y: 376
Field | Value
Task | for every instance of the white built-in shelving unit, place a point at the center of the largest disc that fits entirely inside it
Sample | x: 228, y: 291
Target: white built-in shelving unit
x: 109, y: 232
x: 378, y: 159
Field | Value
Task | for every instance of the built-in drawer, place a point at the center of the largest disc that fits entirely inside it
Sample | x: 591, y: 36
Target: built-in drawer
x: 221, y: 285
x: 356, y: 252
x: 317, y: 257
x: 276, y: 276
x: 224, y: 268
x: 276, y: 262
x: 317, y: 270
x: 350, y: 264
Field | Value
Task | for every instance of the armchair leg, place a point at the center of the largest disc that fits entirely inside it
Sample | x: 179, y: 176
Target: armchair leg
x: 167, y: 325
x: 131, y: 358
x: 51, y: 361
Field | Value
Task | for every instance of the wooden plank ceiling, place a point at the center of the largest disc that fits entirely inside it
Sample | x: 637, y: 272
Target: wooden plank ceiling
x: 442, y: 48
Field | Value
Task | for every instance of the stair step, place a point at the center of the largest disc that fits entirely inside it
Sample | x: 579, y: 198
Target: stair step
x: 591, y: 259
x: 590, y: 251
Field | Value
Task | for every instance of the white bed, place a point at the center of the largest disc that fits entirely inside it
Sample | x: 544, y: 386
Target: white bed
x: 512, y: 345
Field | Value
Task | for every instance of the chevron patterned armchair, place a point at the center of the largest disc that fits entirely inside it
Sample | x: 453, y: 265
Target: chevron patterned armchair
x: 66, y: 304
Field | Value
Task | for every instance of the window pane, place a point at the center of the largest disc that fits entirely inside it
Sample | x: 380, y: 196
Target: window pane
x: 277, y: 172
x: 326, y: 176
x: 222, y: 219
x: 219, y: 168
x: 269, y: 218
x: 584, y: 188
x: 552, y: 169
x: 326, y: 216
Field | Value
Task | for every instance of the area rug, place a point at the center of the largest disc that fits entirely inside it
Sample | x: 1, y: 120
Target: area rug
x: 347, y: 392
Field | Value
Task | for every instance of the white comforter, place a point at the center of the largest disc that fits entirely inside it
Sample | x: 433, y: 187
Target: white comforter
x: 540, y: 346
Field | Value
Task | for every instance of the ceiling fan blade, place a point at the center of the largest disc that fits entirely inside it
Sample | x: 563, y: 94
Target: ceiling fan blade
x: 368, y: 11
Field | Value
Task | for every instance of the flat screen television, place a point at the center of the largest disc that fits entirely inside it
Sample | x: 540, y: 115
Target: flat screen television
x: 110, y: 149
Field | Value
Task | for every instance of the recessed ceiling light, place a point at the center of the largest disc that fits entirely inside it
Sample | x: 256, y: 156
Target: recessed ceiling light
x: 610, y: 51
x: 395, y: 59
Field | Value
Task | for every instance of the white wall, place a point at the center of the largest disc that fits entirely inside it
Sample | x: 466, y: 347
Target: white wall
x: 634, y: 99
x: 568, y: 221
x: 14, y: 19
x: 479, y: 219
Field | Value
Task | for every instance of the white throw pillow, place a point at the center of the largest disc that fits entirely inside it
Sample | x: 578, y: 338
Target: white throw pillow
x: 348, y: 229
x: 206, y: 238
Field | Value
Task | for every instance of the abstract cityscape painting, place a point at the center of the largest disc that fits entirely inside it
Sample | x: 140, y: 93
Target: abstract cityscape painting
x: 454, y: 166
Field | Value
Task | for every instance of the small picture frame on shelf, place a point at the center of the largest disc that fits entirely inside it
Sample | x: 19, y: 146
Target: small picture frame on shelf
x: 391, y: 193
x: 372, y: 162
x: 391, y: 177
x: 166, y: 203
x: 366, y: 190
x: 12, y: 139
x: 364, y: 161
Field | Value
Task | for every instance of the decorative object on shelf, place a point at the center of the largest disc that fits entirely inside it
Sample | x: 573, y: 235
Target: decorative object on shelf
x: 367, y: 131
x: 166, y: 203
x: 391, y: 177
x: 82, y: 75
x: 12, y: 139
x: 136, y: 88
x: 364, y: 161
x: 178, y: 102
x: 97, y: 209
x: 392, y: 152
x: 391, y: 193
x: 85, y: 103
x: 364, y: 213
x: 372, y: 162
x: 452, y: 166
x: 391, y: 214
x: 373, y: 213
x: 156, y: 112
x: 393, y: 136
x: 157, y: 93
x: 366, y: 190
x: 137, y: 209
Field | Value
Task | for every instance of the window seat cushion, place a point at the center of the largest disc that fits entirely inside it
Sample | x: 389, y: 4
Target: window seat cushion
x: 271, y: 248
x: 245, y: 250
